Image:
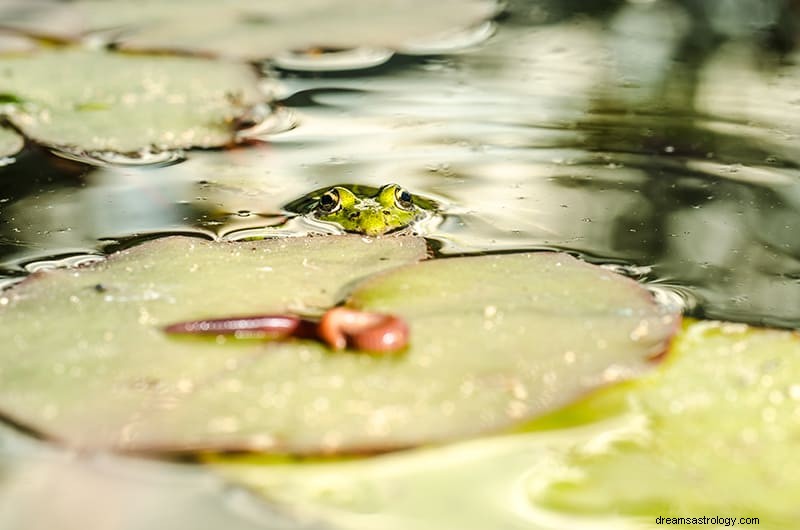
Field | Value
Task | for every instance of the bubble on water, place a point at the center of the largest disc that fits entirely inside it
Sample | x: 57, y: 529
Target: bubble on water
x: 332, y: 59
x: 150, y: 157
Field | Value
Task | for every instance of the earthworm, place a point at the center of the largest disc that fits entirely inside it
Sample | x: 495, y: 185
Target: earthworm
x: 273, y: 326
x: 339, y: 327
x: 373, y: 332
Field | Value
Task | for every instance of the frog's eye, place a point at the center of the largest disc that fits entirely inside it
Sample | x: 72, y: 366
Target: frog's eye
x: 403, y: 198
x: 330, y: 201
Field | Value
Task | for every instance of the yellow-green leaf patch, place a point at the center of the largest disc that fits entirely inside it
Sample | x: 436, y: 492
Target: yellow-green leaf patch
x: 126, y: 103
x: 723, y: 432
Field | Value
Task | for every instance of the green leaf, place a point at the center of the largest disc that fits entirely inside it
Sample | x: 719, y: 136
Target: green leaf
x: 85, y: 360
x: 712, y: 432
x: 494, y: 340
x: 723, y: 420
x: 127, y: 103
x: 10, y: 143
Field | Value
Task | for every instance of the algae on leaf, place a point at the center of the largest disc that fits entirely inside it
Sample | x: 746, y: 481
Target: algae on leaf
x: 10, y: 143
x: 494, y: 340
x: 723, y: 420
x: 126, y: 103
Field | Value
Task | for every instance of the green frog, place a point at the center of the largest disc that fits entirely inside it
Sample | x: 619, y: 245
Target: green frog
x: 363, y: 209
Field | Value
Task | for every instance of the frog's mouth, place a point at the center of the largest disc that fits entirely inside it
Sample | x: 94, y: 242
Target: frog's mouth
x: 373, y: 220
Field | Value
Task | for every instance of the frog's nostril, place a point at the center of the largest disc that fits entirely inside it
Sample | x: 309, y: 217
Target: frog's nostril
x: 387, y: 212
x: 353, y: 216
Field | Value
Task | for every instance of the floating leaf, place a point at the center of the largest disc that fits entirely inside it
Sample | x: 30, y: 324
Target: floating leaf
x: 127, y: 103
x: 723, y: 433
x: 85, y: 360
x: 494, y: 340
x: 10, y: 142
x: 713, y: 432
x: 246, y: 29
x: 483, y: 478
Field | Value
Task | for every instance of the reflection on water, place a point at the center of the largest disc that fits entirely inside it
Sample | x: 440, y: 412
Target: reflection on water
x: 104, y: 492
x: 656, y: 134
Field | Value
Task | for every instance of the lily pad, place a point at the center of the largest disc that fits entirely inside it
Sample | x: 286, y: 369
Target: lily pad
x: 494, y: 340
x: 126, y: 103
x: 84, y: 357
x: 723, y: 432
x: 246, y: 29
x: 10, y: 143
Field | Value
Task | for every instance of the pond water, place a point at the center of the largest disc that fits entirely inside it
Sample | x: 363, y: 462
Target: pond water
x: 659, y: 138
x: 615, y: 136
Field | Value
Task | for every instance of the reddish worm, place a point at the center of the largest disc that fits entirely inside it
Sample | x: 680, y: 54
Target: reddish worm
x: 339, y: 327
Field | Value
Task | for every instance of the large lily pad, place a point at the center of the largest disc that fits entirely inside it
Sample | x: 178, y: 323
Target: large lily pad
x: 723, y: 432
x: 126, y: 103
x: 10, y: 143
x: 247, y: 29
x: 84, y: 358
x: 494, y: 340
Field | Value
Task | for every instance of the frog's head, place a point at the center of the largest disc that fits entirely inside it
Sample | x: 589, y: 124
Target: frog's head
x: 391, y: 208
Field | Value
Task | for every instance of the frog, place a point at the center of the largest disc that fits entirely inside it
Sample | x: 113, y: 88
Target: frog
x: 364, y: 209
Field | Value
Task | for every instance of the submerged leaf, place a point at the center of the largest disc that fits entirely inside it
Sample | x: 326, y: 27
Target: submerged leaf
x: 250, y: 30
x: 723, y: 421
x: 127, y: 103
x: 10, y: 142
x: 493, y: 340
